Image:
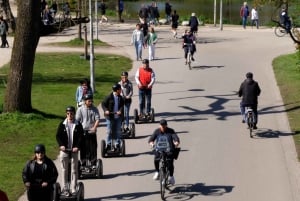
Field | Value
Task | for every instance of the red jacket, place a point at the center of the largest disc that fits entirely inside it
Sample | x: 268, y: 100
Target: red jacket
x: 145, y: 76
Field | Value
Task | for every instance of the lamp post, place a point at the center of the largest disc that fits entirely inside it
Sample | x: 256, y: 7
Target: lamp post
x: 92, y: 69
x: 221, y: 15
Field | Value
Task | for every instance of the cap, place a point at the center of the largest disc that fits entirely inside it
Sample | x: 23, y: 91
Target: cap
x: 163, y: 122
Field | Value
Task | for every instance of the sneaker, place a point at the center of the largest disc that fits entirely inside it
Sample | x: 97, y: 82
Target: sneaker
x: 243, y: 121
x: 193, y: 59
x: 171, y: 180
x: 155, y: 176
x: 255, y: 127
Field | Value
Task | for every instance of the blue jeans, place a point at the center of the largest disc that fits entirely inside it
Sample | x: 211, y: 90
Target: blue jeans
x: 244, y: 22
x: 138, y: 49
x: 243, y: 110
x: 145, y: 96
x: 114, y: 124
x: 126, y: 113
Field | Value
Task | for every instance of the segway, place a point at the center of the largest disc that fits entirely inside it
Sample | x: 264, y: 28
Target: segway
x: 87, y: 166
x: 79, y: 194
x: 144, y: 118
x: 111, y: 149
x: 128, y: 133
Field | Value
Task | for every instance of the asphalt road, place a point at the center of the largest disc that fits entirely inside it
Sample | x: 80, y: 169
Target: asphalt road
x: 218, y: 161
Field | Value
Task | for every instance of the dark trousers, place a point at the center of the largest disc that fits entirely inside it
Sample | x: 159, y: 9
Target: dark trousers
x: 40, y: 194
x: 170, y: 163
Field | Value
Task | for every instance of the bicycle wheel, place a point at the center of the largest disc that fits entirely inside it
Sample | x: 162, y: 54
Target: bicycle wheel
x: 162, y: 183
x: 189, y: 60
x: 279, y: 31
x: 250, y: 124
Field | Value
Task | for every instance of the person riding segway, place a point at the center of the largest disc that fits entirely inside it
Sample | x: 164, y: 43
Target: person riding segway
x: 113, y: 107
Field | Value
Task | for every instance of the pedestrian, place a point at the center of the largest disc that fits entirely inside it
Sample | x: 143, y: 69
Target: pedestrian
x: 3, y: 32
x: 193, y: 23
x: 53, y: 8
x: 126, y: 93
x: 113, y: 108
x: 83, y: 89
x: 164, y: 138
x: 244, y: 13
x: 152, y: 40
x: 39, y: 175
x: 103, y: 8
x: 168, y: 11
x: 249, y: 91
x: 3, y: 196
x: 254, y: 17
x: 120, y: 10
x: 68, y: 136
x: 145, y: 79
x: 174, y: 24
x: 88, y: 115
x: 137, y: 39
x: 143, y: 13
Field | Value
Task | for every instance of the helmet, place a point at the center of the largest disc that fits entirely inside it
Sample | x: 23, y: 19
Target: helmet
x: 145, y: 61
x: 116, y: 87
x: 124, y: 73
x: 70, y: 109
x: 88, y: 96
x: 39, y: 148
x: 249, y: 75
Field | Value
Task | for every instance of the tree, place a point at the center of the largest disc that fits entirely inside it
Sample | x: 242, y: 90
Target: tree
x: 5, y: 11
x: 18, y: 91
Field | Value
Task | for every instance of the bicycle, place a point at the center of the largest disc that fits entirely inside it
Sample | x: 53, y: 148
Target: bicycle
x: 163, y: 171
x: 249, y: 114
x: 280, y: 30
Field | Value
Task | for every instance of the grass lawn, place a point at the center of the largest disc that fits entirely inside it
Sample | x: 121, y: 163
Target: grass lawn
x: 56, y: 77
x: 288, y: 79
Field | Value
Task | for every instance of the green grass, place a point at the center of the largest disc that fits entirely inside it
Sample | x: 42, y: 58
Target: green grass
x: 56, y: 77
x: 288, y: 79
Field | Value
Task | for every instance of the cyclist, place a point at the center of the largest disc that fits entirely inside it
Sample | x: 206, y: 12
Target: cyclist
x: 189, y: 41
x: 69, y: 135
x: 113, y: 107
x: 145, y: 78
x: 159, y: 134
x: 285, y: 20
x: 249, y: 91
x: 39, y: 175
x: 126, y: 93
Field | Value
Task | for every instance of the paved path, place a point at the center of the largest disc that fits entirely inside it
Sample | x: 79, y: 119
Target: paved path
x: 218, y: 160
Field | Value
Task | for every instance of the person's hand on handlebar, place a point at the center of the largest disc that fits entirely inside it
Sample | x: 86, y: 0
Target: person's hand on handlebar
x: 151, y: 144
x: 176, y: 143
x: 62, y: 148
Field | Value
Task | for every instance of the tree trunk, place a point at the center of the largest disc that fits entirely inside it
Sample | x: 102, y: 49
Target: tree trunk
x: 5, y: 11
x: 18, y: 92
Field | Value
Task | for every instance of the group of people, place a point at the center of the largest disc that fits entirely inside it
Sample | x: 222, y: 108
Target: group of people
x: 48, y: 13
x: 149, y: 14
x: 245, y: 13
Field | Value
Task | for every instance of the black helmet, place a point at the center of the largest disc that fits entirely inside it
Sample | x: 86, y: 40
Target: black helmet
x: 70, y: 109
x: 249, y: 75
x: 116, y: 87
x: 145, y: 61
x: 39, y: 148
x: 124, y: 73
x: 88, y: 97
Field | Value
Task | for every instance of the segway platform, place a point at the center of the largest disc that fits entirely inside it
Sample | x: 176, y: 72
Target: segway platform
x: 128, y: 133
x: 144, y: 118
x: 108, y: 150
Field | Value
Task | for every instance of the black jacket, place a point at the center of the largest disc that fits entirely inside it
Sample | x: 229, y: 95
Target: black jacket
x: 49, y: 172
x: 109, y: 102
x: 249, y: 91
x: 62, y: 135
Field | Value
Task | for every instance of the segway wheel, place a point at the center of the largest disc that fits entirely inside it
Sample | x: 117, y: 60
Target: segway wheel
x: 80, y: 192
x: 103, y: 148
x: 123, y: 149
x: 136, y: 116
x: 152, y: 115
x: 99, y: 170
x: 56, y: 192
x: 132, y: 130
